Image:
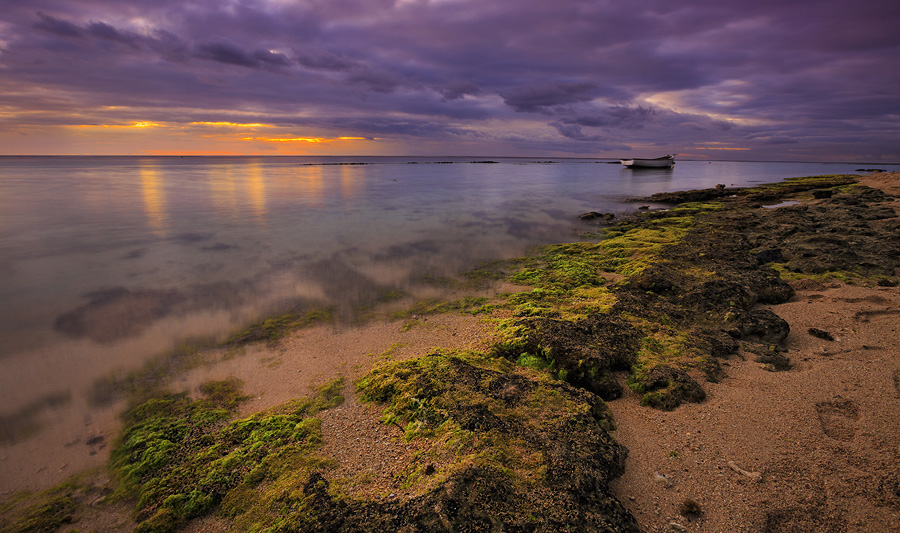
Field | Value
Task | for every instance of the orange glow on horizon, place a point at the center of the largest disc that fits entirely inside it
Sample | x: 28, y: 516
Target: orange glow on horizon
x: 315, y: 140
x: 137, y: 124
x: 191, y: 152
x: 233, y: 124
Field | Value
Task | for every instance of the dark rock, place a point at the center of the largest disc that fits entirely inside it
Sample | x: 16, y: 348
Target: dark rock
x: 822, y: 334
x: 822, y: 193
x: 593, y: 215
x: 720, y: 344
x: 667, y: 388
x: 776, y: 360
x: 772, y: 255
x: 585, y: 351
x: 697, y: 195
x: 762, y: 325
x: 659, y: 279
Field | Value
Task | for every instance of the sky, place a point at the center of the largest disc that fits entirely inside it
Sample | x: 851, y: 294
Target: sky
x: 811, y: 80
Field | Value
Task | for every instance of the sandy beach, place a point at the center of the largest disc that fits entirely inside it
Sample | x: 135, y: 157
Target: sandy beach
x: 810, y: 449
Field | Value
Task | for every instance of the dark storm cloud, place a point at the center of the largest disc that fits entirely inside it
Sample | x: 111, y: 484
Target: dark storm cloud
x: 520, y: 74
x: 57, y: 26
x: 230, y: 54
x: 101, y: 30
x: 531, y: 99
x: 324, y: 61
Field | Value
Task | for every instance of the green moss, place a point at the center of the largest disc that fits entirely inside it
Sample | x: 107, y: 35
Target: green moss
x: 533, y: 362
x: 273, y: 329
x: 668, y: 346
x: 630, y: 251
x: 694, y: 208
x: 469, y: 304
x: 563, y: 267
x: 479, y: 409
x: 799, y: 184
x: 48, y: 510
x: 180, y: 458
x: 822, y: 277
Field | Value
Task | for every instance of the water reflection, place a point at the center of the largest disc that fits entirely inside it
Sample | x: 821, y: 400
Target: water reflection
x: 309, y: 184
x: 256, y: 191
x: 223, y: 190
x: 352, y: 181
x: 153, y: 195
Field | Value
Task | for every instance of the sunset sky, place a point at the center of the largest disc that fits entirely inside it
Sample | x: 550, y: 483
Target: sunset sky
x: 719, y: 79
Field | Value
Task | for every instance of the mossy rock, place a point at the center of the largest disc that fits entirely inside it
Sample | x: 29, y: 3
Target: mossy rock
x: 666, y: 388
x: 532, y: 454
x: 582, y: 352
x: 179, y: 458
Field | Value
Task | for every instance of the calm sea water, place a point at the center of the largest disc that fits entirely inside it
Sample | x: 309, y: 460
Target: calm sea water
x: 108, y: 261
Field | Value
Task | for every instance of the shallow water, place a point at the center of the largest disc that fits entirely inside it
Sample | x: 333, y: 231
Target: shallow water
x: 106, y: 262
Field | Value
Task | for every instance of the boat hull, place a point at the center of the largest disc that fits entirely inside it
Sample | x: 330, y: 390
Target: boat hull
x: 661, y: 162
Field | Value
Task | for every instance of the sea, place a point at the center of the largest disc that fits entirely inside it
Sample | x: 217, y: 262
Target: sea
x: 108, y: 262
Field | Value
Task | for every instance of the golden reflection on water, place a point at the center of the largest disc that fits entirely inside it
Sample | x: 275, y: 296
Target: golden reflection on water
x: 351, y: 182
x: 310, y: 185
x: 223, y: 190
x: 154, y: 198
x: 256, y: 191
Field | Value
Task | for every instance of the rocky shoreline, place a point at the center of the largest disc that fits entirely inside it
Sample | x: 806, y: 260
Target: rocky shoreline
x: 517, y: 436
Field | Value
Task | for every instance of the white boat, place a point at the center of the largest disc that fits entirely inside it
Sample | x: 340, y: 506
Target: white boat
x: 659, y: 162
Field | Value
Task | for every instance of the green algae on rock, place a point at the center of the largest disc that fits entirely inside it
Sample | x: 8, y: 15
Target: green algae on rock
x: 48, y: 510
x: 689, y: 279
x: 528, y: 453
x: 181, y: 458
x: 273, y: 329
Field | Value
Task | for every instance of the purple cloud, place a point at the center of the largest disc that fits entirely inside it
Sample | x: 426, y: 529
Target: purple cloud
x: 519, y: 75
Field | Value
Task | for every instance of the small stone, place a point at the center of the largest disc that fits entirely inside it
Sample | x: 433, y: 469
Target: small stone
x: 663, y: 479
x: 820, y: 333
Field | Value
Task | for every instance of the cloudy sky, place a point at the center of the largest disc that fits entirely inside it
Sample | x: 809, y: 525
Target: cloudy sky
x: 811, y: 80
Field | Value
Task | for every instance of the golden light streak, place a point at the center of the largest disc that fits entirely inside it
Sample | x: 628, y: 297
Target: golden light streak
x: 256, y: 191
x: 310, y: 185
x: 223, y: 191
x: 726, y: 94
x: 191, y: 152
x: 287, y: 139
x: 232, y: 124
x: 352, y: 182
x: 315, y: 140
x: 140, y: 125
x: 154, y: 203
